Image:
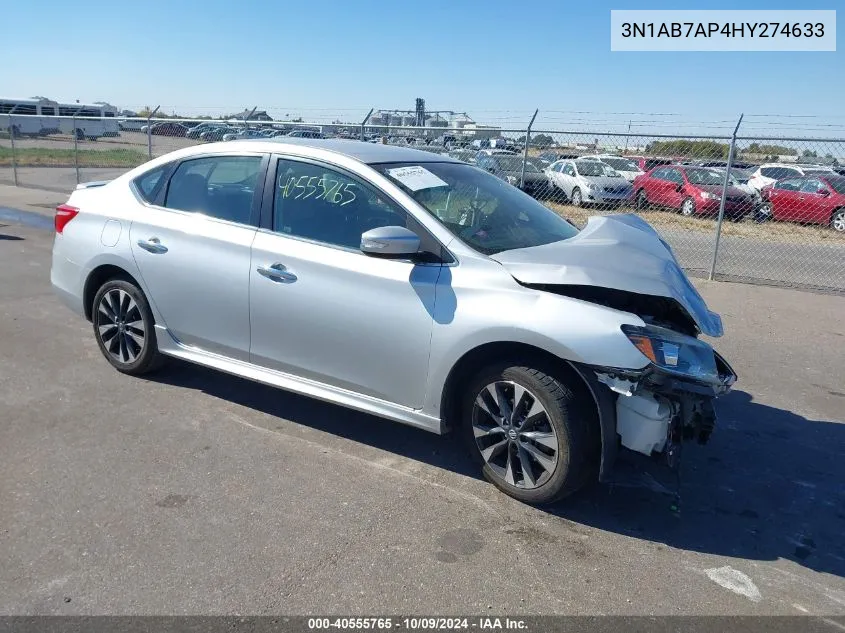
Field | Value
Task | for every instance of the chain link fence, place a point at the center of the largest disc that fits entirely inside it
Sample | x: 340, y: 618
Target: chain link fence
x: 777, y: 215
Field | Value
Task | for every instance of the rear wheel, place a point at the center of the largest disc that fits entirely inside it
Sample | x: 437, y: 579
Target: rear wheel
x: 837, y: 221
x: 124, y: 328
x: 641, y: 200
x: 763, y: 212
x: 688, y: 207
x: 535, y: 434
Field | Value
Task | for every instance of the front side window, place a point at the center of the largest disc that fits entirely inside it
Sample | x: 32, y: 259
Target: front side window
x: 483, y: 211
x: 790, y: 184
x: 675, y: 175
x: 660, y: 173
x: 318, y: 203
x: 221, y: 187
x: 705, y: 177
x: 812, y: 185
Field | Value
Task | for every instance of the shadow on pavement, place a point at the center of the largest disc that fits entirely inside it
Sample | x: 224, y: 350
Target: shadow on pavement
x: 10, y: 238
x: 769, y: 484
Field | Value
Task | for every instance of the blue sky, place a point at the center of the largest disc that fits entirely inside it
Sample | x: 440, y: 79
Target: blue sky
x: 496, y: 59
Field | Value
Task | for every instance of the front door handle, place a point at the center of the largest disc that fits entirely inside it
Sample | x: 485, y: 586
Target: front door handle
x: 277, y: 272
x: 153, y: 245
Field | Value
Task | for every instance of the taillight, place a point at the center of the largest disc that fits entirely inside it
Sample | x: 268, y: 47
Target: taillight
x: 64, y: 214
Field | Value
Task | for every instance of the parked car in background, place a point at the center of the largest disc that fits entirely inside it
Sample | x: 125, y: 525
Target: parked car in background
x: 217, y: 133
x: 646, y: 163
x: 625, y: 167
x: 690, y: 190
x: 548, y: 157
x: 508, y: 167
x: 585, y: 181
x: 197, y: 130
x: 813, y: 199
x: 769, y: 173
x: 243, y: 134
x: 306, y: 134
x: 169, y: 128
x: 463, y: 155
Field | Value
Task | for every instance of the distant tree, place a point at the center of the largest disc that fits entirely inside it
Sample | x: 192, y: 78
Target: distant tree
x: 542, y: 140
x: 809, y: 154
x: 692, y: 149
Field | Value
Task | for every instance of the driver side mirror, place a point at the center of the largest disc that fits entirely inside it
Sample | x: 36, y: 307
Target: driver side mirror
x: 823, y: 192
x: 390, y: 241
x: 679, y: 186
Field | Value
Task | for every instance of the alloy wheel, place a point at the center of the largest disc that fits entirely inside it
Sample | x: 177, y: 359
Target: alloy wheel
x: 514, y: 435
x: 688, y: 208
x: 838, y: 222
x: 576, y: 198
x: 120, y: 326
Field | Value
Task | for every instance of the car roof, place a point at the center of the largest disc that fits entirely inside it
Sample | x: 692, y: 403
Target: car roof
x: 369, y: 153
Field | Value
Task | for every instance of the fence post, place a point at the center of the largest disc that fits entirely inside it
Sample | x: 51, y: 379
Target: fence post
x: 14, y: 151
x: 150, y: 133
x: 364, y: 122
x: 75, y: 146
x: 731, y: 154
x: 525, y: 152
x: 249, y: 116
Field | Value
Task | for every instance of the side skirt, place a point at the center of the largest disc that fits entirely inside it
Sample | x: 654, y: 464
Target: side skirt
x: 169, y: 346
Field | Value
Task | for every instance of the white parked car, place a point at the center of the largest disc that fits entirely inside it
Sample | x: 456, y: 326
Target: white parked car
x: 769, y: 173
x: 589, y: 182
x: 626, y: 168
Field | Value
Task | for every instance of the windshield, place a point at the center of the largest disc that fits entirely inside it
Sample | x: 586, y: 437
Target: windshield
x: 514, y: 163
x: 595, y: 168
x: 838, y: 184
x: 705, y: 177
x: 741, y: 175
x: 480, y: 209
x: 620, y: 164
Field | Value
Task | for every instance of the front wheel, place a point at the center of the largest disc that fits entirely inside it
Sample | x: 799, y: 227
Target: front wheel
x: 688, y: 207
x: 763, y: 213
x: 577, y: 199
x: 534, y: 433
x: 641, y: 201
x: 124, y: 328
x: 837, y: 221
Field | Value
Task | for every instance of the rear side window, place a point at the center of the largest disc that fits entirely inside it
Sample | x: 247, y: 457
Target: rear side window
x: 778, y: 172
x: 660, y: 173
x: 149, y: 184
x: 221, y: 187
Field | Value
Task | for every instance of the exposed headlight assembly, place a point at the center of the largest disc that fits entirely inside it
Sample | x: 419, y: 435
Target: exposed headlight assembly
x: 675, y: 353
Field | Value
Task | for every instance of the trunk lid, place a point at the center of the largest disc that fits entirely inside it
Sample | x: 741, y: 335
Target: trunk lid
x: 622, y: 252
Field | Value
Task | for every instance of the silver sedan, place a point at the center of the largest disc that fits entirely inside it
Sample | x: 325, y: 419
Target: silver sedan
x: 405, y: 284
x: 585, y: 182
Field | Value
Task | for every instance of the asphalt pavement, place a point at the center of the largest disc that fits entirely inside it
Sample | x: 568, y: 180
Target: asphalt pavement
x: 194, y: 492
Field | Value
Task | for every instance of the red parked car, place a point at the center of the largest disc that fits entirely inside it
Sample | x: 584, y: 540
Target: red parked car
x: 815, y: 199
x: 690, y: 190
x: 645, y: 163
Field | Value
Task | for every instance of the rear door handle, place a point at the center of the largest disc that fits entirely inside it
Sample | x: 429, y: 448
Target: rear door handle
x: 277, y: 272
x: 153, y: 245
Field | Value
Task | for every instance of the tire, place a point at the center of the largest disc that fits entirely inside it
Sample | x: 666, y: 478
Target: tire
x: 837, y: 220
x: 577, y: 198
x: 80, y: 135
x: 763, y: 213
x: 561, y: 446
x: 688, y: 207
x: 641, y: 201
x: 124, y: 328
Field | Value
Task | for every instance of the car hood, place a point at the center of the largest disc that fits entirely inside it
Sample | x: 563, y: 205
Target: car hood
x: 605, y: 181
x: 622, y: 252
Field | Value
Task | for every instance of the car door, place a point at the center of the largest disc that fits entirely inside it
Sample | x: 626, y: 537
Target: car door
x: 783, y: 197
x: 657, y: 186
x: 568, y: 178
x: 813, y: 204
x: 323, y: 310
x: 192, y: 248
x: 674, y: 188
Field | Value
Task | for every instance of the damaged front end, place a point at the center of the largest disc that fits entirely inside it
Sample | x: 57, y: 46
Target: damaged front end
x: 651, y: 412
